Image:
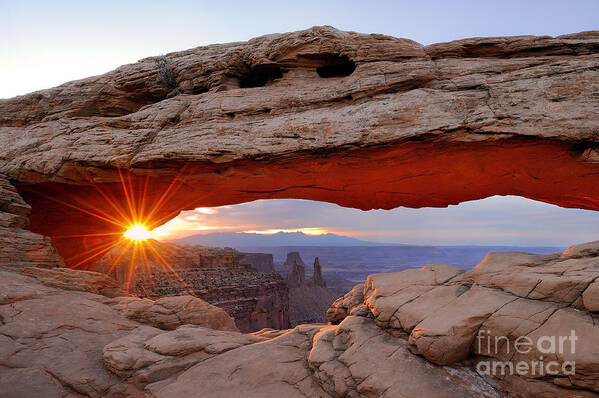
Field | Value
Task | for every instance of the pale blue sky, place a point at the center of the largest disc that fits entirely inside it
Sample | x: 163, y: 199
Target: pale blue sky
x: 46, y: 43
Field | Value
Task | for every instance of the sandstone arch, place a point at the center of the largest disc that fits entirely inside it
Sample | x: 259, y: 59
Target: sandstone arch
x: 410, y: 125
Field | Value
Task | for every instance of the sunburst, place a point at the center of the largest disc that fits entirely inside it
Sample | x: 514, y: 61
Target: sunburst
x: 138, y: 232
x: 130, y: 212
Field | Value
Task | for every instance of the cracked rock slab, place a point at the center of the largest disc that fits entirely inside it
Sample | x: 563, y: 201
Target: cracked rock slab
x: 480, y: 315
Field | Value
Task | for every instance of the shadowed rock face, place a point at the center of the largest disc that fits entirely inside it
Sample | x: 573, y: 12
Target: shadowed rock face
x: 293, y: 260
x: 297, y: 275
x: 317, y: 279
x: 18, y: 245
x: 258, y: 262
x: 366, y: 121
x: 309, y: 299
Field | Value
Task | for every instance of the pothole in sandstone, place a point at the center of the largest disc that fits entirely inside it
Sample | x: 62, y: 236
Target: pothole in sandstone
x: 336, y: 66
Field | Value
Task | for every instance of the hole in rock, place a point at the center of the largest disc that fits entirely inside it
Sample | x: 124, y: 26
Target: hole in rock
x: 355, y: 243
x: 260, y: 75
x: 199, y: 90
x: 382, y: 178
x: 336, y: 66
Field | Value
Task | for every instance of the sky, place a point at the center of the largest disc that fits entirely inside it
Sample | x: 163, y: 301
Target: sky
x: 498, y: 220
x: 46, y: 43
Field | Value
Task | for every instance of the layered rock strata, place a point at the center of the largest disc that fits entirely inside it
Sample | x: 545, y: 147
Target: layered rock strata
x: 365, y: 121
x: 18, y: 245
x: 293, y: 259
x: 157, y: 269
x: 258, y: 262
x: 411, y: 333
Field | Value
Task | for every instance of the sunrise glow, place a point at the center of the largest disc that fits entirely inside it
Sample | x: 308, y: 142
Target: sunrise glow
x: 307, y: 231
x: 138, y: 232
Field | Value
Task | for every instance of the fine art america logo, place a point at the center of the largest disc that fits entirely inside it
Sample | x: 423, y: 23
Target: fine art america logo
x: 526, y: 357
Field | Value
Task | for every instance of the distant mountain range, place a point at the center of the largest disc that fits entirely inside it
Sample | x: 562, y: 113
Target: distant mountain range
x: 244, y: 239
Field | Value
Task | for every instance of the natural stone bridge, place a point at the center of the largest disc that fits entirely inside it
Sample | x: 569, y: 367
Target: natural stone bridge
x: 366, y: 121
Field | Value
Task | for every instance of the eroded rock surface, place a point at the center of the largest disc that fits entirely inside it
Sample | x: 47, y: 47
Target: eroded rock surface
x: 365, y: 121
x: 450, y: 316
x: 309, y: 298
x: 18, y: 245
x: 258, y: 262
x: 168, y: 313
x: 52, y: 337
x: 318, y: 114
x: 405, y: 334
x: 96, y: 346
x: 324, y: 361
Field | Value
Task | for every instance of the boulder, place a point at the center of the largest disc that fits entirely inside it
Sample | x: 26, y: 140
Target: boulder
x: 52, y: 336
x: 70, y: 279
x: 343, y: 306
x: 496, y: 314
x: 148, y: 355
x: 173, y: 311
x: 340, y: 362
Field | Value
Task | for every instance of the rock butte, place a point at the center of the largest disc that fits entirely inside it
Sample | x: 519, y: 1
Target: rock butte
x: 365, y: 121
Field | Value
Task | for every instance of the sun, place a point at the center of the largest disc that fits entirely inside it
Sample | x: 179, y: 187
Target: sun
x: 137, y: 232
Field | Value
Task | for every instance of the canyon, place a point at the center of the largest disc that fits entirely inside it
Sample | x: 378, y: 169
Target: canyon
x: 410, y: 333
x: 255, y: 300
x: 366, y: 121
x: 245, y: 285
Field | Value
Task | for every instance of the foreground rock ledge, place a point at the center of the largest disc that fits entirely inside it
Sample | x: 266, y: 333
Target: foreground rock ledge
x: 476, y: 318
x: 366, y: 121
x: 404, y: 334
x: 96, y: 346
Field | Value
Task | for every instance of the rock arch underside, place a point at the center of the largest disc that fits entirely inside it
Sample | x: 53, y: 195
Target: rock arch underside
x: 411, y: 125
x: 364, y: 121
